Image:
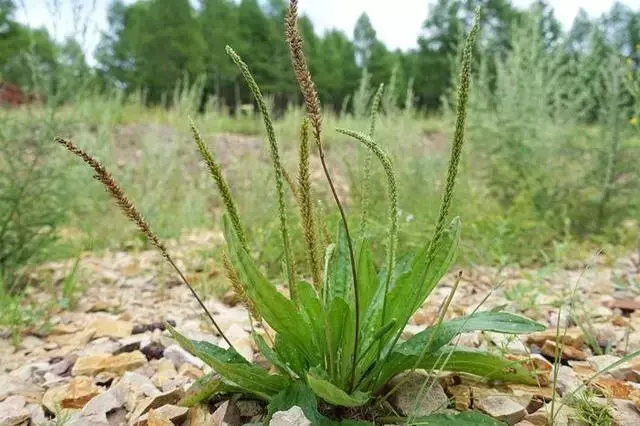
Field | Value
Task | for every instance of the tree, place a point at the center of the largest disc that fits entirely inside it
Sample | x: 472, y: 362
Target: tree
x: 337, y: 74
x: 153, y: 45
x: 364, y: 38
x: 219, y: 22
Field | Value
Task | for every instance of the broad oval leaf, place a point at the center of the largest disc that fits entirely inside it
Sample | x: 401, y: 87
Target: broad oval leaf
x: 440, y: 335
x: 250, y: 378
x: 339, y: 281
x: 367, y: 277
x: 298, y: 394
x: 311, y: 310
x: 196, y: 346
x: 334, y: 395
x: 204, y: 388
x: 271, y: 355
x: 279, y: 312
x: 411, y: 290
x: 451, y: 358
x: 412, y: 287
x: 468, y: 418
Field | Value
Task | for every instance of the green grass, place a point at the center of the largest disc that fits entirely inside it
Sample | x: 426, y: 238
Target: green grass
x: 150, y: 154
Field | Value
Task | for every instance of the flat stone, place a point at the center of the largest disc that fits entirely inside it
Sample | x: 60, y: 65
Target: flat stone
x: 582, y: 369
x: 107, y: 327
x: 117, y: 417
x: 501, y: 408
x: 249, y: 408
x: 80, y: 390
x: 432, y: 399
x: 63, y: 329
x: 540, y: 392
x: 600, y: 362
x: 461, y: 395
x: 155, y: 419
x: 118, y: 364
x: 240, y: 339
x: 13, y: 411
x: 539, y: 418
x: 76, y: 340
x: 550, y: 349
x: 179, y: 356
x: 138, y: 383
x: 508, y: 343
x: 624, y: 304
x: 227, y: 414
x: 10, y: 385
x: 103, y: 403
x: 165, y: 372
x: 157, y: 401
x: 190, y: 371
x: 573, y: 337
x: 36, y: 414
x: 568, y: 381
x: 612, y: 388
x: 78, y: 419
x: 536, y: 364
x: 171, y: 412
x: 63, y: 366
x: 294, y: 416
x: 199, y: 415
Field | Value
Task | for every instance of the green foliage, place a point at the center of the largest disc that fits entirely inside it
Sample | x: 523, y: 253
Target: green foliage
x: 31, y: 198
x: 549, y: 178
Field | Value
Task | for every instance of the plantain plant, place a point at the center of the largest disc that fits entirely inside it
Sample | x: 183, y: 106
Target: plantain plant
x: 337, y: 337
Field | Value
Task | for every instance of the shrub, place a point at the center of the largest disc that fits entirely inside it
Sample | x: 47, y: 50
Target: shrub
x: 338, y: 337
x: 31, y: 196
x: 549, y: 136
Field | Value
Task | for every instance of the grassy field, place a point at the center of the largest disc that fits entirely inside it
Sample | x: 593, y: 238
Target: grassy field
x: 548, y: 173
x: 151, y: 153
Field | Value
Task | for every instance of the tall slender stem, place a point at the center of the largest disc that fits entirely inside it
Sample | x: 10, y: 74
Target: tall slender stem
x: 130, y: 211
x: 312, y: 104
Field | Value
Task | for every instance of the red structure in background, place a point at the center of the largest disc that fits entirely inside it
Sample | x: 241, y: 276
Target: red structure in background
x: 11, y: 95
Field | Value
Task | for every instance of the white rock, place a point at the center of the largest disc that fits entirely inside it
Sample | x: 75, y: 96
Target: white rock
x: 600, y: 362
x: 105, y: 402
x: 78, y: 419
x: 294, y: 416
x: 139, y: 383
x: 241, y: 341
x: 433, y: 398
x: 179, y: 356
x: 512, y: 344
x: 501, y: 408
x: 568, y: 381
x: 227, y: 414
x: 12, y: 411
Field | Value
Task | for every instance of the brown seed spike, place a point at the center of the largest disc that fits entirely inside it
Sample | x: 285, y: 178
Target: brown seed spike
x: 312, y: 104
x: 130, y: 211
x: 301, y: 69
x: 238, y: 288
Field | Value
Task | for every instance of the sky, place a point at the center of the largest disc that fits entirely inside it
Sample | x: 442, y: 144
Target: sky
x: 397, y: 22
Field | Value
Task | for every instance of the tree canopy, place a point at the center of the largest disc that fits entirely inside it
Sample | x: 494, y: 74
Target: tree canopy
x: 150, y: 45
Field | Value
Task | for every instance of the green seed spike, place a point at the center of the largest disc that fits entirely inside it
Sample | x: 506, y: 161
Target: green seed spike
x: 393, y: 197
x: 221, y: 183
x: 277, y: 167
x: 306, y: 205
x: 458, y: 136
x: 366, y: 179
